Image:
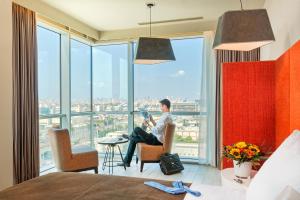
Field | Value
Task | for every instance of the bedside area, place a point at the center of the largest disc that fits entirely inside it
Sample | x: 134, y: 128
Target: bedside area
x: 229, y: 179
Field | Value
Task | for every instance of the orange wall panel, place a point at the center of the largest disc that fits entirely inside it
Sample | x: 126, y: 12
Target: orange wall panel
x: 249, y: 104
x: 287, y: 88
x: 282, y: 97
x: 295, y: 87
x: 261, y: 100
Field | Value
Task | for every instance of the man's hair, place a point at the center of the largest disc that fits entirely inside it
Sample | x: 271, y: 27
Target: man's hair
x: 166, y: 102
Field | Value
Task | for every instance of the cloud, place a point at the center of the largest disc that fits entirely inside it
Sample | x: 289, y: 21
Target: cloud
x: 178, y: 73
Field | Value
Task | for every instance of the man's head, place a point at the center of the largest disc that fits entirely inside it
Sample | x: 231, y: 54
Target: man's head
x: 165, y: 105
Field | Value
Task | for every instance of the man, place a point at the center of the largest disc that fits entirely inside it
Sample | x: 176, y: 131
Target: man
x: 154, y: 138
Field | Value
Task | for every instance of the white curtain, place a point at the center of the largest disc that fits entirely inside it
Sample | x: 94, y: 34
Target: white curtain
x: 207, y: 139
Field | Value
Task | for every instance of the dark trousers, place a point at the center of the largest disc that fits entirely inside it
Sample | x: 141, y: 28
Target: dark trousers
x: 139, y: 136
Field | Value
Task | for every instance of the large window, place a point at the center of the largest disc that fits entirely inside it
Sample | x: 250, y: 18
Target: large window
x: 110, y: 91
x: 97, y: 92
x: 110, y: 78
x: 81, y: 93
x: 180, y: 82
x: 49, y: 89
x: 80, y: 77
x: 49, y: 71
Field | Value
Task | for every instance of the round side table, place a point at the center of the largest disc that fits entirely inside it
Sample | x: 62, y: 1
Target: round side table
x: 228, y: 179
x: 111, y: 143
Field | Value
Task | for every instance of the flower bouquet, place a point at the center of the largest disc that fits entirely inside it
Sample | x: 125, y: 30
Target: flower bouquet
x: 244, y: 156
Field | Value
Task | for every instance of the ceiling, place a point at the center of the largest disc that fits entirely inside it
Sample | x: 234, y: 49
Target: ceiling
x: 106, y: 15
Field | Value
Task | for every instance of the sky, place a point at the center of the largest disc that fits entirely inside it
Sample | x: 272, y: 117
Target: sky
x: 179, y: 79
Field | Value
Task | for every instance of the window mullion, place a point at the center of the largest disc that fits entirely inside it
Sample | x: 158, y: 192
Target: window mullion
x: 130, y: 88
x: 65, y: 81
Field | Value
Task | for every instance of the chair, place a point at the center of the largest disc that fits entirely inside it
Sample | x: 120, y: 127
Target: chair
x: 151, y: 153
x: 69, y: 159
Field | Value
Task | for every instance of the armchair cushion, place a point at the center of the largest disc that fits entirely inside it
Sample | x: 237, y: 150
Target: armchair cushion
x: 149, y: 152
x: 83, y: 157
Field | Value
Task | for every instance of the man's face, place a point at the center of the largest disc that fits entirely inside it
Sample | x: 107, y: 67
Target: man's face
x: 163, y: 108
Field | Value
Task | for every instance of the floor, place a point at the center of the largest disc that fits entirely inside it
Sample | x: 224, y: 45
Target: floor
x: 193, y: 173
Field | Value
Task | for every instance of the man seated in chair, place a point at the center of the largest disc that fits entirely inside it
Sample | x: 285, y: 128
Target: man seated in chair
x: 156, y: 137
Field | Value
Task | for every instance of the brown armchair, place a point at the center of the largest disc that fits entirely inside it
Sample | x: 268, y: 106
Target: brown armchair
x: 69, y: 159
x: 151, y: 153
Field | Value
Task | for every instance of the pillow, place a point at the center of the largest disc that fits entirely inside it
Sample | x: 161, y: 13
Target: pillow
x: 280, y: 170
x: 289, y: 193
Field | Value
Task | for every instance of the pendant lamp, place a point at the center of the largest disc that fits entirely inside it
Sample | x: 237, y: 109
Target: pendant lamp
x: 243, y: 30
x: 153, y: 50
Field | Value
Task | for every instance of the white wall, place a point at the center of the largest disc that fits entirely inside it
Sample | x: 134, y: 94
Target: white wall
x: 6, y: 148
x: 285, y: 19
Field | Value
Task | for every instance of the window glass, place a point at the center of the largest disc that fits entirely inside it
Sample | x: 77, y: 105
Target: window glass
x: 179, y: 80
x: 80, y: 77
x: 110, y: 77
x: 48, y: 71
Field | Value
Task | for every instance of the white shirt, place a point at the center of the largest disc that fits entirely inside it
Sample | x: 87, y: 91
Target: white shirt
x: 159, y: 130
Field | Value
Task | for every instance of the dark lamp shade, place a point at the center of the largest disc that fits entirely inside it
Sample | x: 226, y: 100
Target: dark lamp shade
x: 154, y: 51
x: 243, y: 30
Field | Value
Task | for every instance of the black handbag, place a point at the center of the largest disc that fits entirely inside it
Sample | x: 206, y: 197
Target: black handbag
x: 170, y: 164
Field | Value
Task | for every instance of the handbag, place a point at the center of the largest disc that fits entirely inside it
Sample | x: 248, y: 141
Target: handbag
x: 170, y: 164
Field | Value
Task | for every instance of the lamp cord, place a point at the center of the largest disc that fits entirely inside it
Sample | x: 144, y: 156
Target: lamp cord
x: 150, y: 20
x: 241, y: 5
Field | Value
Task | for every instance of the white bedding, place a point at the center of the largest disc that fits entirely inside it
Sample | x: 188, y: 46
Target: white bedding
x: 212, y: 192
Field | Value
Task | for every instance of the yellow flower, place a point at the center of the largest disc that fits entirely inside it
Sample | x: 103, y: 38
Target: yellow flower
x: 249, y: 153
x: 254, y: 148
x: 228, y: 148
x: 241, y: 145
x: 235, y: 152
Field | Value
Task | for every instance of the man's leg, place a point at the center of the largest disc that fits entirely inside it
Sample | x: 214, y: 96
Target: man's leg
x: 138, y: 135
x: 145, y: 137
x: 152, y: 140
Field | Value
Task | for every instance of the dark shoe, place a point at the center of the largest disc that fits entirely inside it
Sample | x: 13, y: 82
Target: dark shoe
x: 121, y: 164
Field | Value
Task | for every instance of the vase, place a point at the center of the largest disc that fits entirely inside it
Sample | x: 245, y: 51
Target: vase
x: 242, y: 170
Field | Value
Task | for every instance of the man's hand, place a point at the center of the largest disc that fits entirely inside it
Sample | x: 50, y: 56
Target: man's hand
x: 145, y: 123
x: 152, y: 120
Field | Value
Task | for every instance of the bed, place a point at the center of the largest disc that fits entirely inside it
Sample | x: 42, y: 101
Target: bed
x: 80, y: 186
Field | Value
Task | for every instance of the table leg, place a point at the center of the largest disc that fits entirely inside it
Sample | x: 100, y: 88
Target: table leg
x: 121, y: 156
x: 112, y: 160
x: 109, y: 159
x: 105, y: 158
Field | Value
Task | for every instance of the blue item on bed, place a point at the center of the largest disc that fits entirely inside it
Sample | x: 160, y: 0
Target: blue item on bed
x: 178, y: 188
x: 179, y: 184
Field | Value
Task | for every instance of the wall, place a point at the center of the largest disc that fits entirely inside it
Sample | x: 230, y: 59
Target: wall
x: 261, y: 100
x: 287, y: 93
x: 284, y: 16
x: 248, y: 104
x: 6, y: 148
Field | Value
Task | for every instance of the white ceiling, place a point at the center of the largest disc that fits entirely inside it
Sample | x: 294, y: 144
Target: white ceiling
x: 105, y: 15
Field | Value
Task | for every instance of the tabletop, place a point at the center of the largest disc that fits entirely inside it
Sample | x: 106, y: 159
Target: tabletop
x: 112, y: 140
